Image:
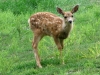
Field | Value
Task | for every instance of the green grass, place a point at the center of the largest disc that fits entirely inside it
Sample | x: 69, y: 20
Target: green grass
x: 81, y: 49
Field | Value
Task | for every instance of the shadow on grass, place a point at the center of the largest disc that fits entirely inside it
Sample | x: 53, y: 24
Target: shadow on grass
x: 50, y: 61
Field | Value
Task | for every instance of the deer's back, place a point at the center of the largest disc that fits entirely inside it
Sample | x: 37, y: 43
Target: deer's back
x: 46, y: 22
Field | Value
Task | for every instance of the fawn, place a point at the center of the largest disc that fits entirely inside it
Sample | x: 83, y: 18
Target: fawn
x: 45, y: 23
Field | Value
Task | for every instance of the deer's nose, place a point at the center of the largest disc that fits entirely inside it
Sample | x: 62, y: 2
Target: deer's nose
x: 70, y: 22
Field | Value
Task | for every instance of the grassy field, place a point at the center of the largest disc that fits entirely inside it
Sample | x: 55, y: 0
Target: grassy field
x: 81, y: 51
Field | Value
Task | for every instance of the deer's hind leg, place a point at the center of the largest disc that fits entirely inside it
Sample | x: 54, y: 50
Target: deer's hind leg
x: 37, y: 37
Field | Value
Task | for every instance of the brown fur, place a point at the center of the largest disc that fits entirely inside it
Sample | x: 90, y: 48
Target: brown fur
x: 45, y: 23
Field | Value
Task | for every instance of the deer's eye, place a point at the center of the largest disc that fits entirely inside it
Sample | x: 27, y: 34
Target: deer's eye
x: 65, y: 17
x: 72, y: 16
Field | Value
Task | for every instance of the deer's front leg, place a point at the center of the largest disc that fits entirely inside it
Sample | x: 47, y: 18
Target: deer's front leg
x: 59, y: 44
x: 62, y: 52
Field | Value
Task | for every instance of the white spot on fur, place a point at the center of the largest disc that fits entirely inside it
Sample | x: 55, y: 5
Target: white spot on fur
x: 51, y: 16
x: 38, y: 20
x: 36, y: 23
x: 50, y: 22
x: 32, y: 18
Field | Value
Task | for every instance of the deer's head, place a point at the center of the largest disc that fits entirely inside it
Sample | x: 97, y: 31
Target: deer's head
x: 68, y: 16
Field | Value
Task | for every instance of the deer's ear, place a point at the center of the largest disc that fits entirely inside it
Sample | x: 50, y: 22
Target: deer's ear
x: 59, y: 10
x: 75, y: 9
